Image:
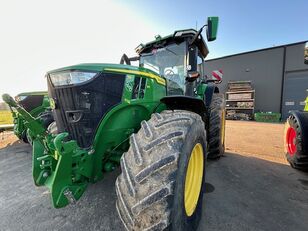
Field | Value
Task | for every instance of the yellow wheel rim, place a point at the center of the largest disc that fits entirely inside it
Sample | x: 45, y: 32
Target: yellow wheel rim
x: 193, y: 180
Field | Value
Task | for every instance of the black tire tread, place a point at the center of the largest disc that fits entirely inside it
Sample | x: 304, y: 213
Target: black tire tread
x: 153, y: 172
x: 215, y: 149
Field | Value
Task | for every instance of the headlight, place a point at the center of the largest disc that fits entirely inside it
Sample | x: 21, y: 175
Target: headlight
x: 71, y: 77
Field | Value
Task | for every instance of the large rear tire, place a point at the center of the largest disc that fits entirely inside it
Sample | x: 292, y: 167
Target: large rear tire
x: 296, y: 146
x: 156, y: 189
x: 216, y: 127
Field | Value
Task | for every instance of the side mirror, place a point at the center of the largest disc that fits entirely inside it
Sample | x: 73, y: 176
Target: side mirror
x: 306, y: 53
x: 212, y: 27
x: 192, y: 76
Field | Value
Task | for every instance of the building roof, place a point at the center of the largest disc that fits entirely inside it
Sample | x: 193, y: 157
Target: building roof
x: 264, y: 49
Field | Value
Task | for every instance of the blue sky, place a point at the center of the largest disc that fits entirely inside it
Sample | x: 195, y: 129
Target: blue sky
x: 244, y: 24
x: 38, y: 36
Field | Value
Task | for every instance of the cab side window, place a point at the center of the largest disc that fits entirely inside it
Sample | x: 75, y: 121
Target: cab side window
x: 138, y: 88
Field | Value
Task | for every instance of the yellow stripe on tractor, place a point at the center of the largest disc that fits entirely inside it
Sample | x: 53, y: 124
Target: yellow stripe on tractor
x: 158, y: 79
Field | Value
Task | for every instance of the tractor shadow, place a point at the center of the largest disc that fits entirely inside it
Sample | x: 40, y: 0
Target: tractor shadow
x: 26, y: 207
x: 242, y: 193
x: 254, y: 194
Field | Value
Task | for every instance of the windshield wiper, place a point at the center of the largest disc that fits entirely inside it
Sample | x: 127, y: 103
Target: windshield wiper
x: 147, y: 54
x: 171, y: 51
x: 151, y: 65
x: 167, y: 49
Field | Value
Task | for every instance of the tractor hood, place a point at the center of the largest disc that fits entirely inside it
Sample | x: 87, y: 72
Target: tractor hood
x: 94, y: 67
x: 113, y: 68
x: 82, y: 94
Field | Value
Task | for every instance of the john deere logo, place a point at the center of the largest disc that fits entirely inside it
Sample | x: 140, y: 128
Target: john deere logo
x: 52, y: 103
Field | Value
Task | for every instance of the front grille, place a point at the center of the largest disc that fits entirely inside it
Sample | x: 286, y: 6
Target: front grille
x: 79, y: 108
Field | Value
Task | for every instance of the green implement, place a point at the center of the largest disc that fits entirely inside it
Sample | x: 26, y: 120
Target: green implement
x: 37, y: 104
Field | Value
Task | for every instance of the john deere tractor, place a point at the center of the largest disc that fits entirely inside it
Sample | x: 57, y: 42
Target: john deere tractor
x: 158, y: 121
x: 296, y: 134
x: 37, y: 104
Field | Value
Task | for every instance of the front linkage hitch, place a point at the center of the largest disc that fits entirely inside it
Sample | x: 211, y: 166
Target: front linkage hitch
x: 60, y: 165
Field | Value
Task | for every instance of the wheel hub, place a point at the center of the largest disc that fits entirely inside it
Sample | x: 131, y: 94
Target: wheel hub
x: 193, y: 180
x: 291, y: 140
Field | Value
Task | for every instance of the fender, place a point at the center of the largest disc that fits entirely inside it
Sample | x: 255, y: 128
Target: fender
x: 210, y: 90
x: 188, y: 103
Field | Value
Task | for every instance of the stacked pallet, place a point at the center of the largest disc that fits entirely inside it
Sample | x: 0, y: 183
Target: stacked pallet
x: 240, y: 100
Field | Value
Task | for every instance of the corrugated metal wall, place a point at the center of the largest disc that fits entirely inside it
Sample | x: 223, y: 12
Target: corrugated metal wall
x: 266, y: 69
x: 295, y: 80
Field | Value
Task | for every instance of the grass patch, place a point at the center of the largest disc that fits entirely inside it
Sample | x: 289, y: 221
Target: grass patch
x: 6, y: 117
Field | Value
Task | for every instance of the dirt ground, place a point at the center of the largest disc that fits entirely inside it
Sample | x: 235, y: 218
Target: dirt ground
x: 250, y: 188
x: 260, y: 140
x: 7, y: 139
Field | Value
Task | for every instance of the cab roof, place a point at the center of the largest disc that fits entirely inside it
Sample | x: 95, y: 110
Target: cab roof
x: 177, y: 36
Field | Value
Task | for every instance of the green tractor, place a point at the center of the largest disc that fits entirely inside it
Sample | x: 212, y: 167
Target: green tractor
x: 37, y: 104
x: 159, y: 122
x: 296, y: 134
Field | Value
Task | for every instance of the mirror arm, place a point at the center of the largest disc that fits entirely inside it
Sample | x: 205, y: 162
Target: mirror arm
x: 197, y: 35
x: 135, y: 58
x: 126, y: 60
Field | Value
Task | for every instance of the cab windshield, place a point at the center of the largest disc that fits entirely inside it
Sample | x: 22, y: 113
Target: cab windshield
x: 169, y: 62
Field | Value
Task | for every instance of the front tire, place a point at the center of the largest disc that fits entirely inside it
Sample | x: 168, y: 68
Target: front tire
x: 156, y: 189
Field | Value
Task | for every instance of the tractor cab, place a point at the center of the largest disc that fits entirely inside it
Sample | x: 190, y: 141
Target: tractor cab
x: 176, y: 59
x: 179, y: 57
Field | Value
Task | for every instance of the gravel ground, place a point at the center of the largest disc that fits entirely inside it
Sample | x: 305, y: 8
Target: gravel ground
x: 250, y: 188
x: 7, y: 138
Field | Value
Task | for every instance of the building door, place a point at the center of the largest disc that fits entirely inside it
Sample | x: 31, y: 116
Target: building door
x: 294, y: 93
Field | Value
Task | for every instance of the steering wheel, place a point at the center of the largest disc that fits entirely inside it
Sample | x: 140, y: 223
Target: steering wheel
x: 169, y: 72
